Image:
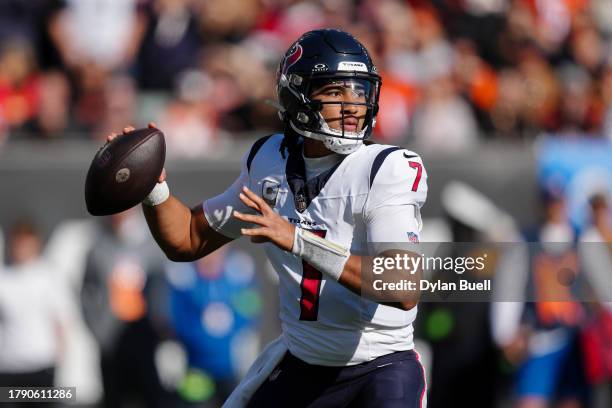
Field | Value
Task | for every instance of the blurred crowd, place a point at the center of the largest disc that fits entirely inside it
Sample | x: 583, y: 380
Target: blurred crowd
x: 454, y: 72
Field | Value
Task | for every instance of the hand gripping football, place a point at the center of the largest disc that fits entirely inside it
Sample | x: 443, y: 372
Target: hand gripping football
x: 124, y: 171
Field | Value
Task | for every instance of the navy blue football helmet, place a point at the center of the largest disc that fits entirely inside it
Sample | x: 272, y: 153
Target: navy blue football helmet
x: 322, y: 57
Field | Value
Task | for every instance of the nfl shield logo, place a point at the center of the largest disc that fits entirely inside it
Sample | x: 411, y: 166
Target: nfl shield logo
x: 412, y: 237
x: 300, y: 203
x: 269, y: 191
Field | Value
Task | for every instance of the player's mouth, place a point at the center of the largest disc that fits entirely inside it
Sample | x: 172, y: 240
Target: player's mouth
x: 350, y: 124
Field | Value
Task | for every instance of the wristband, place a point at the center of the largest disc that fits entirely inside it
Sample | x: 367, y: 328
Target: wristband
x: 321, y: 253
x: 158, y: 195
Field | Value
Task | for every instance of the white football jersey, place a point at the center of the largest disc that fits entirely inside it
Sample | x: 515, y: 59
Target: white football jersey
x: 323, y: 322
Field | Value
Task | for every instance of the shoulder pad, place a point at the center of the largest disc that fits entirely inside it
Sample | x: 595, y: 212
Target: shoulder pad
x: 257, y: 147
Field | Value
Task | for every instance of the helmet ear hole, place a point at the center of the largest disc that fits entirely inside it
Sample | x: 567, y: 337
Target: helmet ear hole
x: 302, y: 118
x: 296, y: 79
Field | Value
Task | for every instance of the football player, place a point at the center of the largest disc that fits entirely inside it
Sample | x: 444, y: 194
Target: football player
x: 318, y: 198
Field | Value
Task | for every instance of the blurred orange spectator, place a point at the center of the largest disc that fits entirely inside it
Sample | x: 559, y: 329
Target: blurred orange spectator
x: 397, y: 103
x: 19, y: 83
x: 475, y: 76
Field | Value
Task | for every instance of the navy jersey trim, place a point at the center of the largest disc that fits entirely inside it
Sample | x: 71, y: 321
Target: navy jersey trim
x: 378, y: 161
x: 254, y: 149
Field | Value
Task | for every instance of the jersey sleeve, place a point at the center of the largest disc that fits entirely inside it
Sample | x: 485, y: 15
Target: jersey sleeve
x: 219, y: 209
x: 394, y: 223
x: 398, y: 190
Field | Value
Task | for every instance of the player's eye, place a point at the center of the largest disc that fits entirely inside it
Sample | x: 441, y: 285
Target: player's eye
x: 359, y: 93
x: 336, y: 93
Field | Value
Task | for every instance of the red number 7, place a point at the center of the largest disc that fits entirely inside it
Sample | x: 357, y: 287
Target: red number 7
x: 419, y: 169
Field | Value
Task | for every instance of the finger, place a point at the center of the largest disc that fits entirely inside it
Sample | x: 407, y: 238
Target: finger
x: 128, y: 129
x: 152, y: 125
x: 252, y: 232
x: 263, y: 206
x: 254, y: 198
x: 162, y: 176
x: 255, y: 219
x: 250, y: 203
x: 110, y: 137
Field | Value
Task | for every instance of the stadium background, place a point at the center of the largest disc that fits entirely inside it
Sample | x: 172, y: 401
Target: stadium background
x: 508, y: 101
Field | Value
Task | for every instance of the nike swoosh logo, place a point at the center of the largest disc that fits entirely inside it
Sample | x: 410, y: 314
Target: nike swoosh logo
x: 409, y: 156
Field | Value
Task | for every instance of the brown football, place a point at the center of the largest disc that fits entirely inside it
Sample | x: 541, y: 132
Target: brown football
x: 124, y: 171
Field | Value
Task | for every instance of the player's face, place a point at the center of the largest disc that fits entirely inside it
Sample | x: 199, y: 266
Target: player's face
x: 343, y: 104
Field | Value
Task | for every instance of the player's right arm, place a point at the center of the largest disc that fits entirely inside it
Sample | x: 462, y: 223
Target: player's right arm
x: 186, y: 234
x: 182, y: 233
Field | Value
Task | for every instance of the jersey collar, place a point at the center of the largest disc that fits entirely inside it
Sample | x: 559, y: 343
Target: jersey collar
x: 304, y: 191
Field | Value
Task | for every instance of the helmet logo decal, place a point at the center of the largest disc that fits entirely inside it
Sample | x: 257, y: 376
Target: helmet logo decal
x: 352, y: 66
x: 293, y: 57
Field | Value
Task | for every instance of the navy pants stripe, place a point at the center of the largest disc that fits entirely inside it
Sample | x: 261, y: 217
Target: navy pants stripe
x: 394, y: 380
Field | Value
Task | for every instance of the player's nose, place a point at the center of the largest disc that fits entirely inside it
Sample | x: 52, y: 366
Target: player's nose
x: 349, y: 105
x: 349, y: 108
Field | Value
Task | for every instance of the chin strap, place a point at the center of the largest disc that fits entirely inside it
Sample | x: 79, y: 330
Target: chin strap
x: 330, y: 140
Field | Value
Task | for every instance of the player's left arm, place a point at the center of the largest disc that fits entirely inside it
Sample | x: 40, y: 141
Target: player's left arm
x: 325, y: 256
x: 391, y: 217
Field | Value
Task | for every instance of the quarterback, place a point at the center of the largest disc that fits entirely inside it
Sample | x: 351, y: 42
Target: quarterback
x: 319, y: 199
